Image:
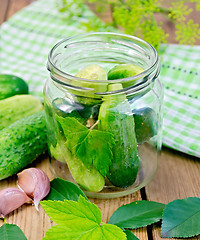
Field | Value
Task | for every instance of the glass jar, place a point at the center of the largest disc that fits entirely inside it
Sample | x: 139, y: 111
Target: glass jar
x: 104, y: 135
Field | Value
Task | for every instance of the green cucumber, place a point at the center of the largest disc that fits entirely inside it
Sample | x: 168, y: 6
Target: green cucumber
x: 91, y: 72
x: 88, y: 179
x: 124, y: 71
x: 17, y: 107
x: 21, y: 143
x: 145, y: 124
x: 56, y: 152
x: 115, y: 117
x: 11, y: 85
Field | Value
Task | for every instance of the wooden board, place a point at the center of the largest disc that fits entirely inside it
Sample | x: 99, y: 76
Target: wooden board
x: 34, y: 224
x: 177, y: 177
x: 15, y: 6
x: 3, y: 10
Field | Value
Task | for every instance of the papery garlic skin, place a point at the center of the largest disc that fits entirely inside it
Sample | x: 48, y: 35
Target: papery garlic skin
x: 11, y: 199
x: 35, y: 183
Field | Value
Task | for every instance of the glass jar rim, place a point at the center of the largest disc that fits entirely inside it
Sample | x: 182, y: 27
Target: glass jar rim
x: 141, y: 84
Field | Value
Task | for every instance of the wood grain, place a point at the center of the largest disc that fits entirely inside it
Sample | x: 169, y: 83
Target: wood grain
x: 15, y: 6
x: 3, y: 10
x: 108, y: 206
x: 34, y: 224
x: 177, y: 178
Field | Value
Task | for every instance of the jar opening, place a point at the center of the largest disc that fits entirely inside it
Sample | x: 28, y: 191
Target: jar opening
x: 105, y: 49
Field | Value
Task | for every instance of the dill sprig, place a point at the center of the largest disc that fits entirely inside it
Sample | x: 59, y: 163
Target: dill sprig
x: 137, y: 17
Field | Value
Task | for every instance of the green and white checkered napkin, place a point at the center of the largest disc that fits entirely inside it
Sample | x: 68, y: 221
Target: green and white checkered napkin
x: 28, y: 36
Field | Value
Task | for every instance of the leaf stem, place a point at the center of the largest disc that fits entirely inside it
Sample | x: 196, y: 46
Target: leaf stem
x: 113, y: 19
x: 94, y: 125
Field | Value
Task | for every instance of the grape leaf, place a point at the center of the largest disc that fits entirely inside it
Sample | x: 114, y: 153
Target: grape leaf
x: 62, y: 189
x: 130, y: 235
x: 181, y: 218
x: 137, y: 214
x: 11, y: 231
x: 92, y: 147
x: 79, y: 220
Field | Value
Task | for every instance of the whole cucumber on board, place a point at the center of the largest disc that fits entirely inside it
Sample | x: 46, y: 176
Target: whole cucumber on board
x: 17, y: 107
x: 11, y: 85
x: 21, y: 143
x: 116, y: 117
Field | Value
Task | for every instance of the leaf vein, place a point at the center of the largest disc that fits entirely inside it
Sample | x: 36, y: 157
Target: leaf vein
x: 181, y: 222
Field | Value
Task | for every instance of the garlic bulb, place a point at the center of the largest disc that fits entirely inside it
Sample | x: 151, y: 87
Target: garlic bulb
x: 11, y: 199
x: 35, y: 183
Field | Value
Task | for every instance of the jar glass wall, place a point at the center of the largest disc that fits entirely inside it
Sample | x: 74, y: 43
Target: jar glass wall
x: 104, y: 135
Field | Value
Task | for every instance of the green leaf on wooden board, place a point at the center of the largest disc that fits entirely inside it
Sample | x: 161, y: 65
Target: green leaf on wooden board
x: 137, y: 214
x: 130, y: 235
x: 10, y: 232
x: 181, y: 218
x: 62, y: 189
x: 79, y: 220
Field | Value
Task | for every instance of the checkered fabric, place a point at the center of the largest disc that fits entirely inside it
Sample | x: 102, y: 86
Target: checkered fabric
x: 180, y: 75
x: 28, y: 36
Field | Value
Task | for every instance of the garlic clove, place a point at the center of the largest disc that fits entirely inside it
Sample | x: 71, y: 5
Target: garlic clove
x: 35, y: 183
x: 11, y: 199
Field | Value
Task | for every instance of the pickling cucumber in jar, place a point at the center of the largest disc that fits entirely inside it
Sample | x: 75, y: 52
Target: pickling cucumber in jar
x: 92, y: 72
x: 122, y: 71
x: 115, y: 116
x: 104, y: 113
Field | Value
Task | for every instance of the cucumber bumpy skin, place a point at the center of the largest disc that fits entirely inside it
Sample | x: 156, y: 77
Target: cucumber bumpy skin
x: 11, y: 85
x: 17, y: 107
x: 115, y: 117
x: 21, y: 143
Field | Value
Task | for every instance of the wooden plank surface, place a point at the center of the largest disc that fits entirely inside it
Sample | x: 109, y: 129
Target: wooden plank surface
x: 3, y: 10
x: 15, y: 6
x: 177, y: 177
x: 34, y: 224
